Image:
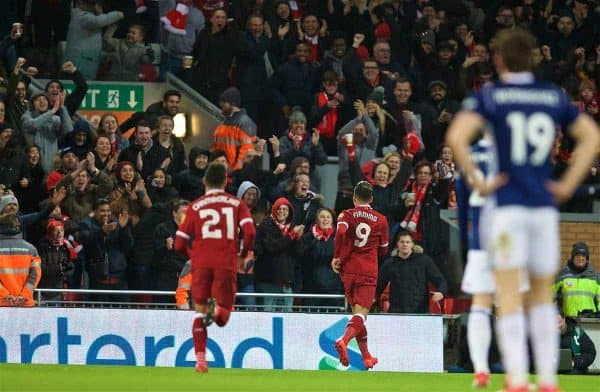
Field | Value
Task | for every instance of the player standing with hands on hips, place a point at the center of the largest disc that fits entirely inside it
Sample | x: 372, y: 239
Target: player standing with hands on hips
x: 523, y: 115
x: 208, y: 235
x: 360, y: 239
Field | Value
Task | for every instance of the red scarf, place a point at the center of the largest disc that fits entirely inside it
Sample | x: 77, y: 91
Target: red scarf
x: 326, y: 126
x: 314, y: 48
x: 321, y: 235
x: 285, y: 228
x: 292, y: 137
x: 413, y: 216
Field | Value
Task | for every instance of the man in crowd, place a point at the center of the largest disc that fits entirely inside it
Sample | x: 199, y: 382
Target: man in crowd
x: 145, y: 153
x: 168, y: 107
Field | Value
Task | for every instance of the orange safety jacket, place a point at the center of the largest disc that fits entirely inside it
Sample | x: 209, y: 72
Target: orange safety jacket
x: 182, y: 293
x: 235, y: 136
x: 20, y: 269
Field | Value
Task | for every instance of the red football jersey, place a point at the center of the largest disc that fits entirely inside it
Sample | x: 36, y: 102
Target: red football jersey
x: 362, y: 234
x: 212, y: 224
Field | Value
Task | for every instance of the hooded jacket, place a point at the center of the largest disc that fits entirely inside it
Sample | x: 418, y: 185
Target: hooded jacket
x: 274, y: 250
x: 189, y: 181
x: 245, y: 186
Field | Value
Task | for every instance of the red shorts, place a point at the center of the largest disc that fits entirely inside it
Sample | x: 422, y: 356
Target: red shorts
x: 214, y: 283
x: 359, y: 289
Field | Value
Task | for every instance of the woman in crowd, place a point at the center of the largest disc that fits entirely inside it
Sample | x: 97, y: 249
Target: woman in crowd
x: 160, y: 189
x: 105, y: 159
x: 109, y: 127
x: 129, y: 193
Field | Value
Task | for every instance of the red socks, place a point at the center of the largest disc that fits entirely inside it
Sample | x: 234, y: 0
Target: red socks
x: 354, y: 328
x: 221, y: 315
x: 199, y: 334
x: 361, y: 339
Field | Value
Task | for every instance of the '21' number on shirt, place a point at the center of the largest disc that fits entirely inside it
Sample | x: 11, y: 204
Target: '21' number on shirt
x: 536, y: 130
x: 213, y: 219
x: 362, y: 233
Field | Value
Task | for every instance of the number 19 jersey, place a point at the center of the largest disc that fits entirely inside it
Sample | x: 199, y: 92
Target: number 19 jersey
x: 366, y: 236
x: 523, y: 116
x: 212, y: 224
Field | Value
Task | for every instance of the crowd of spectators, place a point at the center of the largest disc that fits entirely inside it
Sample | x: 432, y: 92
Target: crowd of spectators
x: 375, y: 83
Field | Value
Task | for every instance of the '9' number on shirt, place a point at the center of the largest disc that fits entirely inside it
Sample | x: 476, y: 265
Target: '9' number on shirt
x: 362, y: 233
x: 537, y: 131
x: 213, y: 219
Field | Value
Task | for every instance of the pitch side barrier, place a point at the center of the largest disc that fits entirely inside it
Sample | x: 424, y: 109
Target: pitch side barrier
x: 253, y: 340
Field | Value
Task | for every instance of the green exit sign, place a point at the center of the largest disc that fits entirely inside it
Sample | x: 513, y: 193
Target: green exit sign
x: 117, y: 97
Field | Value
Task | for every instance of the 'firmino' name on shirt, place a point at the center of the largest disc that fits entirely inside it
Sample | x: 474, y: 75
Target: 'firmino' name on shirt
x: 364, y: 214
x: 216, y: 199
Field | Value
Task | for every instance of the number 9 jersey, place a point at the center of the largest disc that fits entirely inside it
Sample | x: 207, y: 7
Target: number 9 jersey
x: 362, y: 236
x: 212, y: 225
x: 523, y: 116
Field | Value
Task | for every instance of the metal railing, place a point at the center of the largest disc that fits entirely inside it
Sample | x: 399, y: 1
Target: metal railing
x: 85, y: 298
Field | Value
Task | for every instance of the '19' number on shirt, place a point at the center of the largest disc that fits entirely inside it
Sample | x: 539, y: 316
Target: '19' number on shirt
x: 537, y: 131
x: 213, y: 218
x: 362, y: 234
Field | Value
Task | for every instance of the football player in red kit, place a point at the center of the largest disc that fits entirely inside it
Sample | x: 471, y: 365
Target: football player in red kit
x: 361, y: 238
x: 209, y: 237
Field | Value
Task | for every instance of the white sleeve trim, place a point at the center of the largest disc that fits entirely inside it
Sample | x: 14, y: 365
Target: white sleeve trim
x: 183, y: 235
x: 384, y: 245
x: 246, y: 220
x: 343, y: 223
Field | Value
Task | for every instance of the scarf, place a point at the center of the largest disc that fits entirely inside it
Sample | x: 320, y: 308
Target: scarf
x: 292, y: 136
x: 326, y: 126
x: 313, y: 42
x: 295, y: 10
x: 413, y: 215
x: 321, y: 235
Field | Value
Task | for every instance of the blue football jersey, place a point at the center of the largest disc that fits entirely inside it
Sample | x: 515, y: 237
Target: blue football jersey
x: 524, y: 119
x: 470, y: 203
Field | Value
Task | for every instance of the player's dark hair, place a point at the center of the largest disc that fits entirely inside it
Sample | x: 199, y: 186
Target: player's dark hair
x: 515, y: 47
x: 216, y: 175
x: 363, y: 191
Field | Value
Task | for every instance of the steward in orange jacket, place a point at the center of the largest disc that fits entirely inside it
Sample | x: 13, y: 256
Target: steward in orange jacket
x: 20, y: 265
x: 182, y: 293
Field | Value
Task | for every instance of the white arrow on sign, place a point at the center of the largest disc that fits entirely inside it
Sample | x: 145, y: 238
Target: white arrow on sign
x: 132, y: 102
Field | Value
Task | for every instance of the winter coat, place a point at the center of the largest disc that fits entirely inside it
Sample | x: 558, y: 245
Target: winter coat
x: 315, y: 154
x: 12, y: 167
x: 189, y: 182
x: 409, y: 279
x: 30, y: 197
x: 316, y: 264
x: 152, y: 159
x: 305, y: 209
x: 251, y: 67
x: 106, y: 254
x: 44, y: 129
x: 84, y: 40
x: 176, y: 153
x: 275, y: 251
x: 125, y: 58
x: 166, y: 262
x: 294, y: 84
x: 364, y: 152
x: 213, y: 54
x: 77, y: 204
x: 161, y: 195
x: 57, y: 265
x: 151, y: 115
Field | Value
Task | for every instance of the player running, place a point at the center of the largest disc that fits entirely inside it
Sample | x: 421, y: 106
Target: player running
x: 361, y: 237
x: 523, y: 116
x: 211, y: 227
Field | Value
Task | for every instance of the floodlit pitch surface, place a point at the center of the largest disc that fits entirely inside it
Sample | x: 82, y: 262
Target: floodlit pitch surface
x: 22, y: 378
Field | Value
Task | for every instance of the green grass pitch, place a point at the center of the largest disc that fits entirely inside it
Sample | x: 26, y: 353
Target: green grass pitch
x: 23, y: 378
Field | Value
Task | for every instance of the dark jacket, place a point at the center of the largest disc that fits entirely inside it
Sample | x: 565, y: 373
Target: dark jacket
x: 12, y: 167
x: 30, y: 197
x: 294, y: 84
x: 152, y: 159
x: 78, y: 205
x: 189, y: 182
x: 305, y: 209
x: 315, y: 154
x: 580, y: 344
x: 275, y: 253
x: 106, y: 255
x: 409, y: 279
x: 166, y: 262
x: 161, y: 195
x: 57, y: 265
x: 316, y: 264
x: 176, y: 153
x: 251, y: 68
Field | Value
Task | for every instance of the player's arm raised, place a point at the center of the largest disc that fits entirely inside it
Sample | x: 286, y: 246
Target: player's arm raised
x: 587, y: 135
x: 462, y: 131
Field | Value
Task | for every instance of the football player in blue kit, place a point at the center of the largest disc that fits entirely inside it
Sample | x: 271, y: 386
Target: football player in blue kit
x: 524, y: 117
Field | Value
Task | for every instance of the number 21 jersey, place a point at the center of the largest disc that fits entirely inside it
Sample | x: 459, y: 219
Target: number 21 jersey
x: 523, y: 116
x: 212, y: 224
x: 366, y: 237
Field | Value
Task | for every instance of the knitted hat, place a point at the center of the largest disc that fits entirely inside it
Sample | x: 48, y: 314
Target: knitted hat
x: 233, y: 96
x: 6, y: 200
x: 377, y: 95
x: 297, y: 116
x: 52, y: 223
